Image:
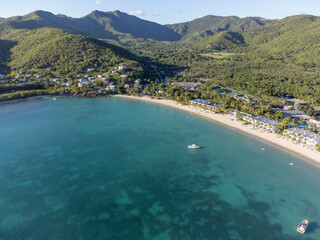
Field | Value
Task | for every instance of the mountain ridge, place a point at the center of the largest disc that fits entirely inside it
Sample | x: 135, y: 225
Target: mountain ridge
x: 117, y: 25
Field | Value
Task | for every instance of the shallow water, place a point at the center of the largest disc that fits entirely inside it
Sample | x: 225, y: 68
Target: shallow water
x: 120, y: 169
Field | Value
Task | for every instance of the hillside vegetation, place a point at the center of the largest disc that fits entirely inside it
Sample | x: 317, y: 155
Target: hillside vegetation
x: 117, y: 25
x: 106, y: 25
x: 64, y: 52
x: 293, y: 40
x: 210, y: 25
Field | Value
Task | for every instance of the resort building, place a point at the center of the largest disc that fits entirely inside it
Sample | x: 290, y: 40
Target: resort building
x: 303, y: 136
x: 187, y: 85
x: 314, y: 122
x: 265, y: 123
x: 204, y: 103
x: 201, y: 102
x: 296, y: 114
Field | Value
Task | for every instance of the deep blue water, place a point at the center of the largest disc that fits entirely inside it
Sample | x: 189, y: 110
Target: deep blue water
x: 120, y: 169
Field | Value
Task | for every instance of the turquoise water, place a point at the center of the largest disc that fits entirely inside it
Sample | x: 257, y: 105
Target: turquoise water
x: 120, y: 169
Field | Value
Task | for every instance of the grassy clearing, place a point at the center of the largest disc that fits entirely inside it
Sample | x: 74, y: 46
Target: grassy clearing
x: 220, y: 55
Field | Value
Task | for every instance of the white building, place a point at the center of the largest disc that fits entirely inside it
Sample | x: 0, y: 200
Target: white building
x: 314, y: 122
x: 266, y: 123
x: 112, y: 88
x: 310, y: 139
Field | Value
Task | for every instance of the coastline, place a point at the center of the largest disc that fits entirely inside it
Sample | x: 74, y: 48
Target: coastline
x: 304, y: 153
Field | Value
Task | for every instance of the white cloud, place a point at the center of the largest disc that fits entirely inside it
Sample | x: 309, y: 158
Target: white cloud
x: 98, y: 2
x: 137, y: 13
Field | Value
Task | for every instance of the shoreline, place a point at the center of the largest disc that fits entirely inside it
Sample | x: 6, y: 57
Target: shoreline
x: 304, y: 153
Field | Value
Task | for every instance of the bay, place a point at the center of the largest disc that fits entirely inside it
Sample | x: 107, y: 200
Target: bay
x: 112, y: 168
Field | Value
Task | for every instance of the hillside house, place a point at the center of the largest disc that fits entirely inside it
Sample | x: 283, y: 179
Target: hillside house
x: 83, y: 84
x: 112, y: 88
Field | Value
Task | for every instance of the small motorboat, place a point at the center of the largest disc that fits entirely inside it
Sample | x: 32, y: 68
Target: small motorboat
x: 291, y: 164
x: 193, y: 146
x: 303, y: 226
x: 54, y: 99
x: 263, y: 149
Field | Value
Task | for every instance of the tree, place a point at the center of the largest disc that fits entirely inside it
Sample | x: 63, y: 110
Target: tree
x: 278, y: 115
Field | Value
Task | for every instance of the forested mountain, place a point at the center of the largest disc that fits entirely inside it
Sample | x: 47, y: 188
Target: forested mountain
x: 210, y: 25
x: 40, y: 19
x: 292, y: 40
x: 116, y: 25
x: 63, y: 52
x: 105, y: 25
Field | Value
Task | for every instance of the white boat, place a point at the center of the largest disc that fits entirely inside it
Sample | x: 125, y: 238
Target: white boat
x: 303, y: 226
x: 193, y: 146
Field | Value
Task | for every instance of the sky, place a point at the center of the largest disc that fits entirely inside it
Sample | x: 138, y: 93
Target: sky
x: 166, y: 11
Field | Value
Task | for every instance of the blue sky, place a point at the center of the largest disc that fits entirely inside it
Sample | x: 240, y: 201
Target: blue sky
x: 166, y: 11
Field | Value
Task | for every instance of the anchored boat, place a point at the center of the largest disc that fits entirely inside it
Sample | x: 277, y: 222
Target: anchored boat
x: 303, y: 226
x: 193, y: 146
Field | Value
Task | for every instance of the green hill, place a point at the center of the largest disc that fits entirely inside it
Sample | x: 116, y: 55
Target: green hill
x: 292, y: 40
x: 219, y: 42
x: 215, y: 24
x: 40, y: 19
x: 65, y: 53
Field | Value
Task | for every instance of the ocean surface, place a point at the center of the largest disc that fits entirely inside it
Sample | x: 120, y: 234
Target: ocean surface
x: 120, y: 169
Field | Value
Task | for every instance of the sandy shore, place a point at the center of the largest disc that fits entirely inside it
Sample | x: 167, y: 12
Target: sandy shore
x: 312, y: 157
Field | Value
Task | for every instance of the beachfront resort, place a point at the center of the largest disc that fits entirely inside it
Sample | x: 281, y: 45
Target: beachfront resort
x: 304, y: 133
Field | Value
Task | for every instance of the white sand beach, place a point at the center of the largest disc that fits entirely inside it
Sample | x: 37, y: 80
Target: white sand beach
x: 312, y: 156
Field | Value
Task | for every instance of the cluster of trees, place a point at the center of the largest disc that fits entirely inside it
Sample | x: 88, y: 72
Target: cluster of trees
x: 6, y: 88
x: 23, y: 94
